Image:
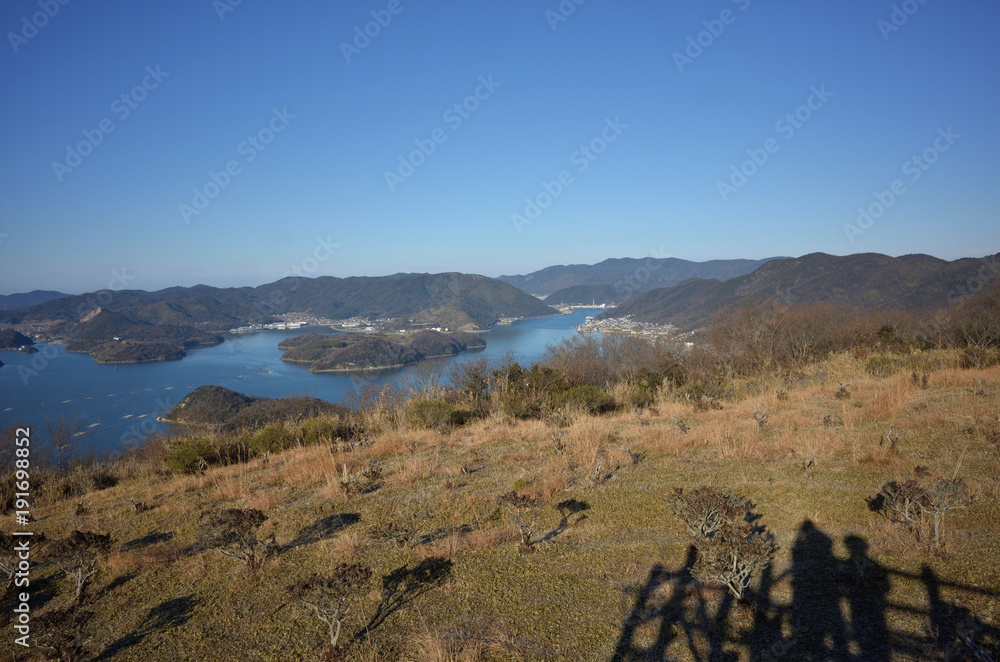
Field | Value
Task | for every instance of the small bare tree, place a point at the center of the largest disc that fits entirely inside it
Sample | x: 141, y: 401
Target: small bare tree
x: 760, y: 415
x: 521, y: 513
x: 733, y: 555
x: 332, y: 596
x: 66, y: 438
x: 912, y: 500
x: 893, y: 439
x: 78, y: 554
x: 8, y: 558
x: 557, y: 441
x: 235, y: 533
x: 943, y: 496
x: 66, y: 633
x: 731, y: 547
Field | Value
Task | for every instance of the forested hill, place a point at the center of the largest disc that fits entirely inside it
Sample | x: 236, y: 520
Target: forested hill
x: 629, y: 276
x: 449, y: 299
x: 26, y: 299
x: 909, y: 282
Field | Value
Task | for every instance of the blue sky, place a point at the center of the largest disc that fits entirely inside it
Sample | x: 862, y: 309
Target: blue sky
x: 200, y: 81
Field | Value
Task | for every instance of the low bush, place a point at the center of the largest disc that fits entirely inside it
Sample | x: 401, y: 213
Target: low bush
x: 587, y: 398
x: 320, y: 430
x: 272, y: 439
x: 976, y: 358
x: 188, y: 455
x: 436, y: 414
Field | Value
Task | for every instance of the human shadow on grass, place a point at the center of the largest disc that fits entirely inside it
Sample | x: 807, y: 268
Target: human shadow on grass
x: 168, y: 614
x: 323, y: 528
x: 839, y: 610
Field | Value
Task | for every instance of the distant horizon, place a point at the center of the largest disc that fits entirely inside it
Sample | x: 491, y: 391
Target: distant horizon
x: 126, y: 274
x: 231, y: 142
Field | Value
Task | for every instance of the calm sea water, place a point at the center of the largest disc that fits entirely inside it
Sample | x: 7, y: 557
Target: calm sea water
x: 118, y: 405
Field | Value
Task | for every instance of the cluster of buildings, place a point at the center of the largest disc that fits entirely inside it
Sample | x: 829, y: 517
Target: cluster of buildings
x: 253, y: 328
x: 627, y: 326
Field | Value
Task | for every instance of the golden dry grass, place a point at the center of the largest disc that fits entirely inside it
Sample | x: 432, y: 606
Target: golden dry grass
x: 572, y: 598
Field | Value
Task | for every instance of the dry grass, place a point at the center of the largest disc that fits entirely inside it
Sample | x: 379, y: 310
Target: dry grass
x: 572, y: 598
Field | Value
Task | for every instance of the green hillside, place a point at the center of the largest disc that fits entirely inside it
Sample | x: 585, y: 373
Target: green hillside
x: 329, y: 353
x: 870, y: 280
x: 629, y: 276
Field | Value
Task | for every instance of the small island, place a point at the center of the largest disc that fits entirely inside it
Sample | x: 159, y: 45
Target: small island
x: 219, y: 408
x: 11, y: 339
x: 368, y: 351
x: 111, y: 337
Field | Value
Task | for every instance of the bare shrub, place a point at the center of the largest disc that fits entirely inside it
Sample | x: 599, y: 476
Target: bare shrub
x: 521, y: 513
x: 364, y: 481
x: 919, y: 497
x: 78, y: 554
x: 235, y: 533
x: 66, y: 633
x: 332, y: 596
x: 760, y: 416
x: 731, y: 547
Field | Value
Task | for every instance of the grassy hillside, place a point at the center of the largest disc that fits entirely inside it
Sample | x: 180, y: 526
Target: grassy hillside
x: 911, y: 282
x: 607, y: 575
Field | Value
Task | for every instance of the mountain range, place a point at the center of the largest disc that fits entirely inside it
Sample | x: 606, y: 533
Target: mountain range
x: 134, y: 325
x: 26, y: 299
x: 869, y: 280
x: 627, y: 276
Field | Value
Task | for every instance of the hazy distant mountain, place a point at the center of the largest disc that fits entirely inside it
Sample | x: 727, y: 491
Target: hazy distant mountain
x: 629, y: 275
x: 26, y: 299
x: 581, y: 295
x: 910, y: 282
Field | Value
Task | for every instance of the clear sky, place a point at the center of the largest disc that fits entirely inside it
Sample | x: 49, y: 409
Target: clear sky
x: 120, y: 118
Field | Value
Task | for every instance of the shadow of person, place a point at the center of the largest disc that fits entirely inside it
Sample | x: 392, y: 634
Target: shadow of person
x: 866, y: 584
x: 685, y: 613
x: 954, y: 628
x: 644, y: 611
x: 817, y: 623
